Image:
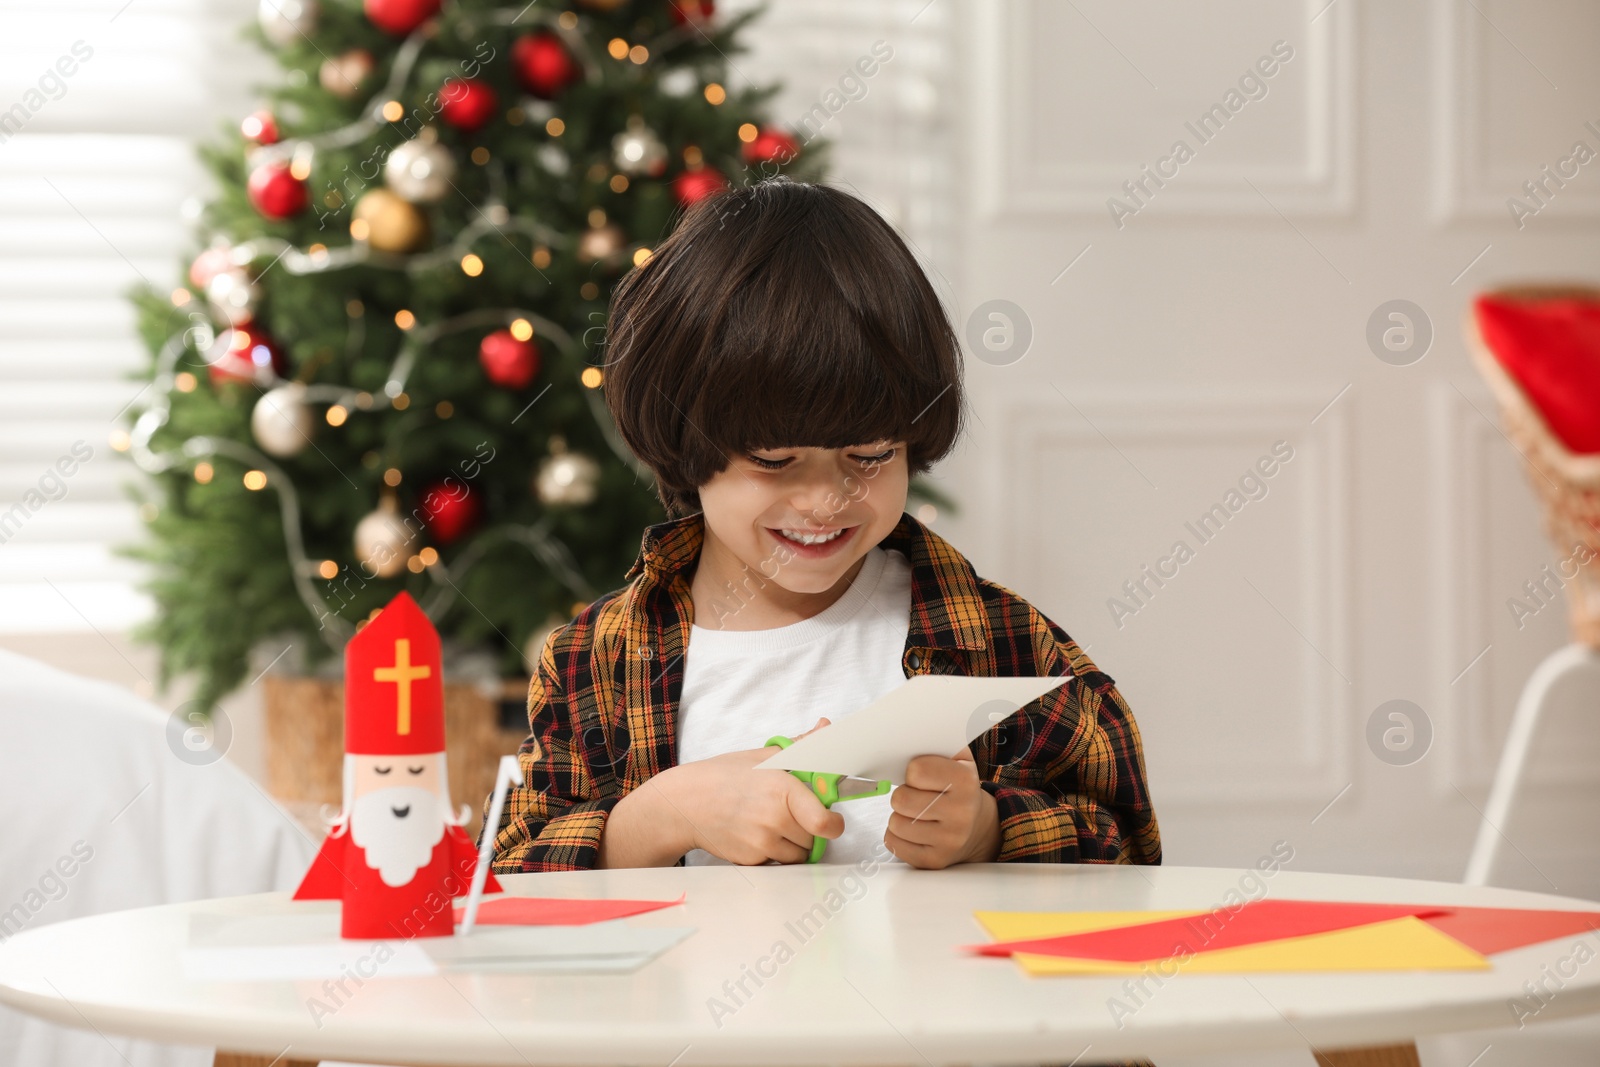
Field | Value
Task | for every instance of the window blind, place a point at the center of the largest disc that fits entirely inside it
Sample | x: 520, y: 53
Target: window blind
x: 100, y: 102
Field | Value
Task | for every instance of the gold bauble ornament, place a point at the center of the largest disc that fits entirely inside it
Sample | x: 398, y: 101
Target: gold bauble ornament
x: 533, y: 649
x: 601, y: 243
x: 387, y: 222
x: 345, y: 74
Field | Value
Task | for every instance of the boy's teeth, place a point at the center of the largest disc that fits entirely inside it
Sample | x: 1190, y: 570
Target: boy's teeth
x: 810, y: 538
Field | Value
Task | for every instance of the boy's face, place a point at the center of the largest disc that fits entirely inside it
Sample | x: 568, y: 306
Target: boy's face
x: 758, y: 497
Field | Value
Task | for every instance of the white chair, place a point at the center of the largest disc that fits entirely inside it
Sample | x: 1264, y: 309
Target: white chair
x: 1568, y: 486
x: 1569, y: 491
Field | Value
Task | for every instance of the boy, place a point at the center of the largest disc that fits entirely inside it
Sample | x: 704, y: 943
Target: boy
x: 784, y: 367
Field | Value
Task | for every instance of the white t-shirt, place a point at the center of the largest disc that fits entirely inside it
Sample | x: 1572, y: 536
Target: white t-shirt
x: 741, y: 687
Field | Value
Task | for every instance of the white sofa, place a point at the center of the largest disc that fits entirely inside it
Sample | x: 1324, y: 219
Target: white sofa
x: 101, y: 814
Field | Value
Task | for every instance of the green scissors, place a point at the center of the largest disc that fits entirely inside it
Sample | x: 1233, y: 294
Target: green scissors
x: 830, y: 789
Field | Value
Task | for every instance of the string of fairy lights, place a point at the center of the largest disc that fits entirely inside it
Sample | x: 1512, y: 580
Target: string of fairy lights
x: 388, y: 230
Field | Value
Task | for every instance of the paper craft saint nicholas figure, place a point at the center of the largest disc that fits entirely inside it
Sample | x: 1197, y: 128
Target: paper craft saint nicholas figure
x: 395, y: 856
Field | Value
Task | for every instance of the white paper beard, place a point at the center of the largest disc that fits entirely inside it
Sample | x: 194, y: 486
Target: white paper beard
x: 397, y: 847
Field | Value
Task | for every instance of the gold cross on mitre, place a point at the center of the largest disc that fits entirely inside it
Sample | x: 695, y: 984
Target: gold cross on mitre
x: 403, y: 673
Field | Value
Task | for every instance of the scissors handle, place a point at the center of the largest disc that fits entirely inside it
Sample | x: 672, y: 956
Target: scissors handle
x: 826, y: 791
x: 826, y: 787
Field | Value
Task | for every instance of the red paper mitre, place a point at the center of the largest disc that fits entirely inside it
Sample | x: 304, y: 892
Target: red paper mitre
x: 393, y: 685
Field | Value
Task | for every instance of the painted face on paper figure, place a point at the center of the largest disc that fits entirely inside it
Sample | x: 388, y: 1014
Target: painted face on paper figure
x: 790, y: 527
x: 398, y: 811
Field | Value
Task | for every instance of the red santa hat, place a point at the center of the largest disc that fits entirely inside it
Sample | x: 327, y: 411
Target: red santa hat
x: 393, y: 685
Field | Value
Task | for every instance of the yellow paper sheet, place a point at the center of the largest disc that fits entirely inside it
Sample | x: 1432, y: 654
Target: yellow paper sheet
x: 1404, y: 944
x: 1017, y: 925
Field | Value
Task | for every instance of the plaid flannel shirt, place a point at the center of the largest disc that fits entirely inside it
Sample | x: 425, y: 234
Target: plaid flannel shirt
x: 1066, y: 771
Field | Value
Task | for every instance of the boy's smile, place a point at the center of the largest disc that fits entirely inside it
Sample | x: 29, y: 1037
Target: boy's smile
x: 787, y: 530
x: 814, y: 542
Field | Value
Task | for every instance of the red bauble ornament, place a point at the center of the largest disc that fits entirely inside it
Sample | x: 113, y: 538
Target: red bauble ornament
x: 467, y: 103
x: 509, y: 363
x: 691, y: 10
x: 771, y: 146
x: 543, y: 65
x: 245, y: 353
x: 260, y: 127
x: 695, y: 185
x: 400, y: 16
x: 275, y: 192
x: 450, y: 510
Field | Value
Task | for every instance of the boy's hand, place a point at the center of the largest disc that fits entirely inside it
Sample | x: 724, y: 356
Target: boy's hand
x: 746, y: 816
x: 942, y: 815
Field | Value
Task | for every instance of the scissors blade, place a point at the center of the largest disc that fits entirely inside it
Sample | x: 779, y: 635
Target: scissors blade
x: 850, y: 786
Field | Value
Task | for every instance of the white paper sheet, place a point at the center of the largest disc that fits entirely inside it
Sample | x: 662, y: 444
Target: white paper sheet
x: 601, y: 945
x: 933, y: 714
x: 308, y: 946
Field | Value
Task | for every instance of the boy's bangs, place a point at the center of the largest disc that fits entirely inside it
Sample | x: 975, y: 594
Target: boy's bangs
x: 823, y: 366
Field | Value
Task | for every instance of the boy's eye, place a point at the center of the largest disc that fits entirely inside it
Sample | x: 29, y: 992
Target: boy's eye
x: 870, y: 461
x: 881, y: 457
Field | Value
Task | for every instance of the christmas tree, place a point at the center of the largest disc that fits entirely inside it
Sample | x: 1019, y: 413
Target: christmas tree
x: 384, y: 370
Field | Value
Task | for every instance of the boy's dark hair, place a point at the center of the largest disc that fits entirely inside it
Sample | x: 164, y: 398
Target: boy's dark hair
x: 781, y: 315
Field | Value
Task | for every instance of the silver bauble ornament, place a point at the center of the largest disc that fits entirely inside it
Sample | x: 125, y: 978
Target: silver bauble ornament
x: 281, y: 421
x: 680, y: 81
x: 638, y: 151
x: 420, y: 170
x: 233, y: 296
x: 569, y: 478
x: 381, y: 540
x: 554, y: 158
x: 537, y: 111
x: 287, y: 21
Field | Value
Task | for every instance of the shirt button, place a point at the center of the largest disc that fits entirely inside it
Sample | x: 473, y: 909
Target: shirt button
x: 915, y: 659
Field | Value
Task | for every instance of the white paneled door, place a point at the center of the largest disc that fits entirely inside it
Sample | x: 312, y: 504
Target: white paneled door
x: 1215, y: 266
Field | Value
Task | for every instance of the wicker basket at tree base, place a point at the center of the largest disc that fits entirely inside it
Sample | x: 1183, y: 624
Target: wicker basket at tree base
x: 304, y: 735
x: 1568, y: 484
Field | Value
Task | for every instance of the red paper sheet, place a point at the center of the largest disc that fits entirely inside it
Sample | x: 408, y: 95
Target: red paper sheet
x: 560, y: 911
x: 1253, y: 923
x: 1489, y: 930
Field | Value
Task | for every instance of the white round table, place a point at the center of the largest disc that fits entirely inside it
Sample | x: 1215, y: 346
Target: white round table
x: 876, y: 975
